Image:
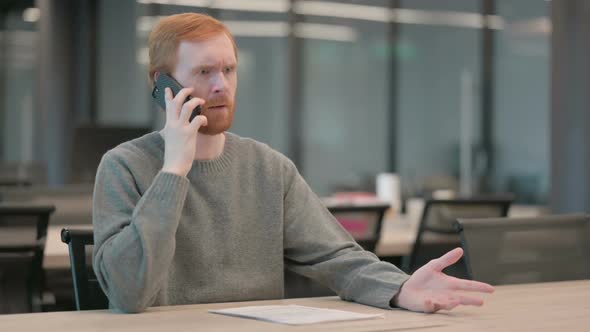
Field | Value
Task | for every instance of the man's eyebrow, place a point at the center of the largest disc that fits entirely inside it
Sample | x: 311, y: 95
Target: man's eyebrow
x: 210, y: 66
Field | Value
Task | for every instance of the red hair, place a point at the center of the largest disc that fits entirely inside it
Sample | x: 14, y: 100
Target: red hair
x: 170, y: 31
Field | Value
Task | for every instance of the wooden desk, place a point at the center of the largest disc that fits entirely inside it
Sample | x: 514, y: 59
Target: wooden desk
x: 533, y: 307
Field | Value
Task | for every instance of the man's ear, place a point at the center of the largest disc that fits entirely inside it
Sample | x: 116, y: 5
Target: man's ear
x: 156, y: 75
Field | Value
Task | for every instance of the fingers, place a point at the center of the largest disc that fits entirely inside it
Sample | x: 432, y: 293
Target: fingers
x: 467, y: 300
x: 430, y: 306
x: 181, y: 96
x: 450, y: 302
x: 434, y: 305
x: 470, y: 285
x: 168, y: 99
x: 446, y: 260
x: 188, y: 107
x: 198, y: 122
x: 174, y: 104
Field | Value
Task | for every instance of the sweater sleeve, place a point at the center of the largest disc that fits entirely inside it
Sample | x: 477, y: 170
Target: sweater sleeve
x: 134, y: 234
x: 318, y: 247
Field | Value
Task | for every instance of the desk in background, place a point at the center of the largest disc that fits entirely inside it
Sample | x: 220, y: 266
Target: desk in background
x: 548, y: 307
x: 396, y: 239
x: 398, y: 233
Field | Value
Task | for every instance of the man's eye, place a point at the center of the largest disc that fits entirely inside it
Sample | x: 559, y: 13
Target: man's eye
x: 229, y: 69
x: 204, y: 71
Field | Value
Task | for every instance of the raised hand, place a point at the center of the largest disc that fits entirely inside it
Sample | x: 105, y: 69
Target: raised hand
x: 430, y: 290
x: 179, y: 134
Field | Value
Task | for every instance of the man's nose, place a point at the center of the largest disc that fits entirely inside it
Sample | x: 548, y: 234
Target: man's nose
x: 218, y: 84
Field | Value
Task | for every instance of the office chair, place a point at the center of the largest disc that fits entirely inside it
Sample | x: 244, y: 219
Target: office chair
x: 23, y: 232
x: 526, y: 250
x: 437, y: 234
x: 87, y: 291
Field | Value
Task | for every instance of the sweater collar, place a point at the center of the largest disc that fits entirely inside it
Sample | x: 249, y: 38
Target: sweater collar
x: 216, y: 165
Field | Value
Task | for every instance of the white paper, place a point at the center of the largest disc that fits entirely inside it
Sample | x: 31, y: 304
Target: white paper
x: 294, y: 314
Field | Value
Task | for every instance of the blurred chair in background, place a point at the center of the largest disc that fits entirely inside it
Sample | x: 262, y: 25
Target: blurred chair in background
x: 525, y: 250
x: 437, y: 235
x: 23, y: 232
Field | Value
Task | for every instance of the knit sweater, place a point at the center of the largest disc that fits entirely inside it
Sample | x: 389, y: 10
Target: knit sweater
x: 223, y: 233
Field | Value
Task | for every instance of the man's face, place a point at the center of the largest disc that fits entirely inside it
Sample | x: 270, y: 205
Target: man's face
x: 210, y: 68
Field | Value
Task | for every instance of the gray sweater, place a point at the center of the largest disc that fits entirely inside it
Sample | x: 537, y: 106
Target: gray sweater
x: 222, y: 233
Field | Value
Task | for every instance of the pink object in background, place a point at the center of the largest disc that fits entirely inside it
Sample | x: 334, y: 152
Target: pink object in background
x: 358, y: 228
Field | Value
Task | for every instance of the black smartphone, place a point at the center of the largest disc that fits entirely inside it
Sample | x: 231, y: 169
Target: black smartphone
x: 159, y: 92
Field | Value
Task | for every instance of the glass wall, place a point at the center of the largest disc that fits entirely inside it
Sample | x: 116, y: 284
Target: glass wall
x: 380, y: 88
x: 263, y: 76
x: 18, y: 70
x: 123, y: 93
x: 521, y: 99
x: 438, y: 56
x: 261, y: 31
x: 346, y: 87
x: 18, y: 91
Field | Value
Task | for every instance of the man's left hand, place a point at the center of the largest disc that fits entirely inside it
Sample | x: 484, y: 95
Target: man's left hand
x: 430, y: 290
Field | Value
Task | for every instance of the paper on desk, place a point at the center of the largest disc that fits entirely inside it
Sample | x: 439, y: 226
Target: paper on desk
x: 294, y: 314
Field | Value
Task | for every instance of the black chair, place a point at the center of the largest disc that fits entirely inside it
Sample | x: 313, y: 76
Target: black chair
x: 525, y: 250
x: 437, y: 234
x: 23, y: 232
x: 87, y: 291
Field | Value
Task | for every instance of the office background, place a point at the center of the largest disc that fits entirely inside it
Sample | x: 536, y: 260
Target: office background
x: 470, y: 98
x: 347, y: 89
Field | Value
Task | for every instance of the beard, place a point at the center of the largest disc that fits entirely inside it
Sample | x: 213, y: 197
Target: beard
x: 218, y: 119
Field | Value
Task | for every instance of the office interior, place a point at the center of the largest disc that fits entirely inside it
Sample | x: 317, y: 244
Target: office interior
x: 384, y: 106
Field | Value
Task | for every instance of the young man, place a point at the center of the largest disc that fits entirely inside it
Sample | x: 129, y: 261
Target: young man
x: 195, y: 214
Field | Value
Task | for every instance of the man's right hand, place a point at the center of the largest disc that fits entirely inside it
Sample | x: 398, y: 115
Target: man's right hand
x: 179, y: 134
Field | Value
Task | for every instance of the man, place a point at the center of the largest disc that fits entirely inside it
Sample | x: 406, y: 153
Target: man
x: 195, y: 214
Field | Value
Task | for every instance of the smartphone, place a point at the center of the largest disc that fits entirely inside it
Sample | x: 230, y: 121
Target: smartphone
x: 159, y: 92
